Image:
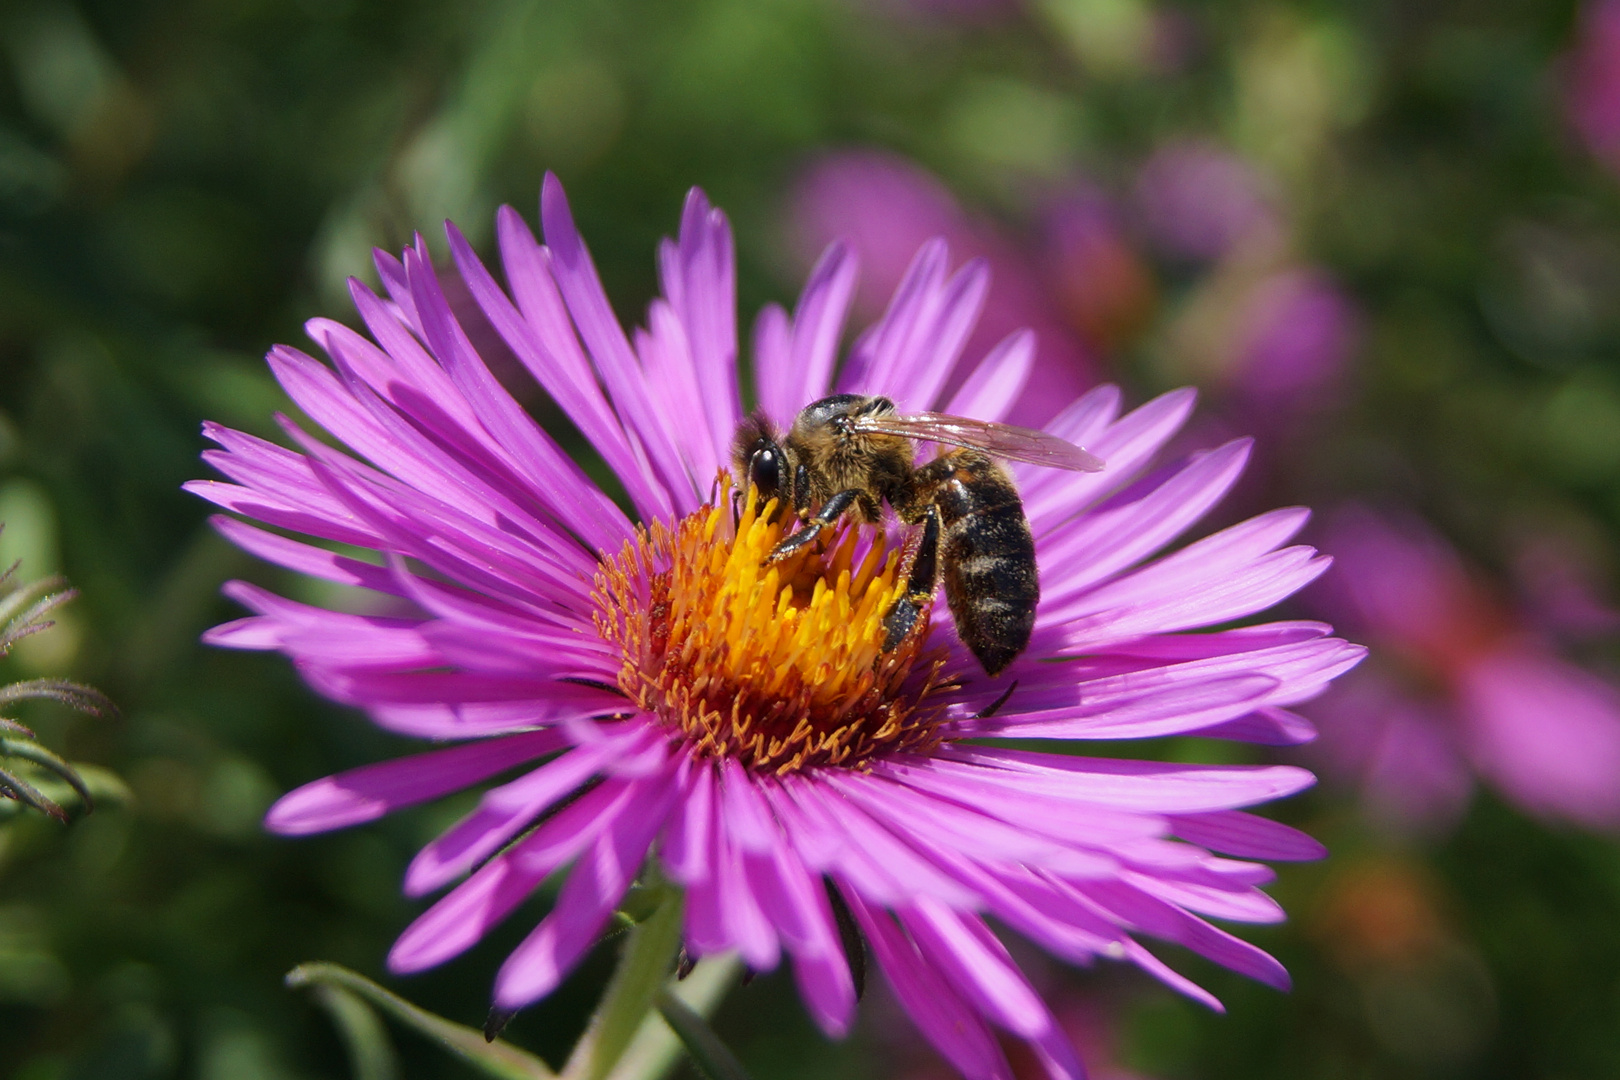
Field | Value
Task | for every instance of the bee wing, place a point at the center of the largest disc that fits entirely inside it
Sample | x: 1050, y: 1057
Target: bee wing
x: 1002, y: 440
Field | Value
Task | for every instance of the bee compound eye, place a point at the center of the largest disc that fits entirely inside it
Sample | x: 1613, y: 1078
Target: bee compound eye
x: 765, y: 471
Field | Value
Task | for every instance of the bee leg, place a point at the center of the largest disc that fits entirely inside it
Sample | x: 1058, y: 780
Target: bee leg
x: 831, y: 511
x: 903, y: 616
x: 801, y: 491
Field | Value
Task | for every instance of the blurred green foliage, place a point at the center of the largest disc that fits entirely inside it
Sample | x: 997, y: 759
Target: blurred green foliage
x: 182, y: 183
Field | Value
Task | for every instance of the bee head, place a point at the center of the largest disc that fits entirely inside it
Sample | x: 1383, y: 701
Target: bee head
x: 757, y: 454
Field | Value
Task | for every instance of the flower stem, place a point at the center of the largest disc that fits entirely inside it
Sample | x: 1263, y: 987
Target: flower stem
x: 713, y: 1058
x: 644, y: 967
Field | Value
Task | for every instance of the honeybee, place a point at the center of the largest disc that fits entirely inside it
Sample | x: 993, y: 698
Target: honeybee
x: 850, y: 454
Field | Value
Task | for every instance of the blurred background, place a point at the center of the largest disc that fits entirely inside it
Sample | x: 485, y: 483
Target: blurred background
x: 1384, y: 238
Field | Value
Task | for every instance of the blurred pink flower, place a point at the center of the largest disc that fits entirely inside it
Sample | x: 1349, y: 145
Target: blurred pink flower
x: 1297, y: 335
x: 885, y: 208
x: 1483, y: 692
x: 1197, y: 202
x: 1102, y: 284
x: 1557, y: 586
x: 1592, y: 86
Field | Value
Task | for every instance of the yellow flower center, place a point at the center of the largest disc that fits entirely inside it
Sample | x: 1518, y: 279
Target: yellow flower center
x: 780, y: 666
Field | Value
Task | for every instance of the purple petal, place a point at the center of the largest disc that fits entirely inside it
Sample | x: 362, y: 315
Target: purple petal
x: 1268, y: 726
x: 873, y: 366
x: 1166, y: 921
x: 989, y: 392
x: 818, y: 324
x: 977, y: 965
x: 1126, y: 446
x: 1101, y: 544
x: 699, y: 277
x: 460, y: 920
x: 930, y: 999
x: 502, y: 813
x: 599, y: 328
x: 304, y: 558
x: 1149, y: 786
x: 775, y: 380
x: 540, y: 334
x: 587, y: 899
x: 1237, y: 833
x: 368, y: 793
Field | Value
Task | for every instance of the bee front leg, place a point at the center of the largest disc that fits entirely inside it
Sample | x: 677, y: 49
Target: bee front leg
x: 902, y: 617
x: 831, y: 511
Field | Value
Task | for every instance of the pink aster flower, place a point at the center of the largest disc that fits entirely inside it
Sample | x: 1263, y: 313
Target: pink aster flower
x: 652, y: 692
x: 1198, y: 202
x: 1592, y: 82
x: 885, y: 208
x: 1478, y: 691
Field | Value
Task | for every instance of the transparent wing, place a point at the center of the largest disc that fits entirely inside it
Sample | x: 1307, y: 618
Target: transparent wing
x: 1001, y: 440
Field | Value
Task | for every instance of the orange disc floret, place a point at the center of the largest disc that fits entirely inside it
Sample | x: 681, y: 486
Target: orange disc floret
x: 780, y: 666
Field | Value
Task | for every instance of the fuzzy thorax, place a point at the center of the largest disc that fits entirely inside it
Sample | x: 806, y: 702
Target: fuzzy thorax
x: 779, y: 666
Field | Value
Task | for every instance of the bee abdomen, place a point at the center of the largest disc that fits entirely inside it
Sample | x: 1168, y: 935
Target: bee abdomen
x: 988, y: 561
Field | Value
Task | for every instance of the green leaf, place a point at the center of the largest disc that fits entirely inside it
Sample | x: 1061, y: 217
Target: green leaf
x: 370, y: 1051
x: 712, y: 1057
x: 498, y: 1058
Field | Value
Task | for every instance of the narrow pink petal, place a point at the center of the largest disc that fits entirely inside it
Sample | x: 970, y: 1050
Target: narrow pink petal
x: 931, y: 355
x: 501, y: 814
x: 699, y: 276
x: 1085, y: 418
x: 818, y: 325
x: 304, y: 558
x: 1238, y: 905
x: 874, y: 365
x: 1156, y: 598
x: 776, y: 383
x: 586, y: 901
x: 1170, y: 710
x: 1170, y: 923
x: 1268, y: 726
x: 746, y: 926
x: 1176, y: 981
x: 599, y: 328
x: 339, y: 637
x: 1070, y: 820
x: 977, y: 966
x: 686, y: 846
x: 1247, y: 836
x: 1126, y: 446
x: 989, y: 392
x: 930, y: 1000
x: 460, y: 920
x: 796, y: 903
x: 743, y: 809
x: 918, y: 816
x: 1106, y: 541
x: 1150, y: 786
x: 367, y: 793
x: 543, y: 339
x: 551, y: 475
x: 872, y: 857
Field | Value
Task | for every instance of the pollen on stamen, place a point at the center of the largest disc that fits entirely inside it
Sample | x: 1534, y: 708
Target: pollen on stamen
x: 781, y: 666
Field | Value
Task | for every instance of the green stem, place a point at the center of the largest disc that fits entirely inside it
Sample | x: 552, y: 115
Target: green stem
x: 643, y: 968
x: 654, y: 1050
x: 712, y: 1056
